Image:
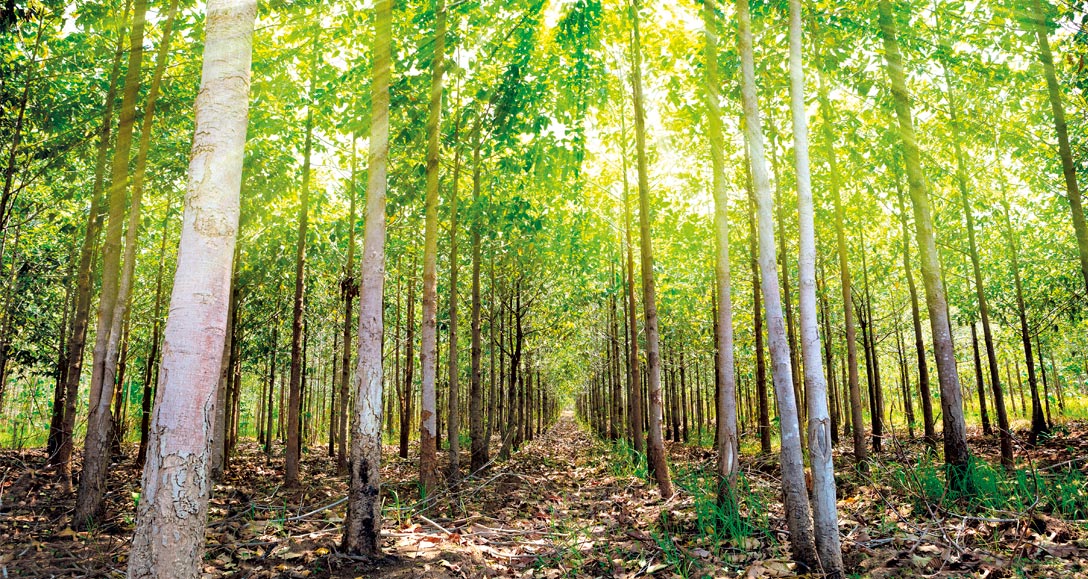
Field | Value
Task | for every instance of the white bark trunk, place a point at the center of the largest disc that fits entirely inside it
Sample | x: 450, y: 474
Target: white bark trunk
x: 728, y: 445
x: 363, y: 521
x: 824, y: 509
x: 793, y: 469
x: 171, y: 516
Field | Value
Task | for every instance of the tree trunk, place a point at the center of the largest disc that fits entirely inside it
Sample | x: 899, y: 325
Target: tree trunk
x: 84, y: 287
x: 453, y: 405
x: 363, y: 524
x: 757, y: 322
x: 428, y: 460
x: 1069, y: 169
x: 824, y: 510
x: 409, y: 366
x: 294, y: 400
x: 349, y: 289
x: 802, y: 545
x: 479, y: 454
x: 855, y: 421
x: 655, y: 446
x: 955, y: 435
x: 634, y: 380
x: 96, y: 446
x: 173, y: 505
x: 980, y: 385
x: 916, y: 321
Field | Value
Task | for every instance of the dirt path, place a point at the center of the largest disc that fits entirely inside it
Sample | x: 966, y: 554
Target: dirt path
x: 559, y: 507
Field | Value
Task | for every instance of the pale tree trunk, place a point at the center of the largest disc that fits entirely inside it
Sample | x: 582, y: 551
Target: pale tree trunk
x: 294, y: 397
x: 856, y: 421
x: 655, y: 443
x: 1069, y: 169
x: 171, y: 516
x: 428, y: 352
x: 824, y: 510
x: 728, y: 444
x: 363, y: 523
x: 96, y: 446
x: 349, y: 288
x: 793, y: 469
x: 955, y: 433
x: 84, y: 286
x: 764, y: 423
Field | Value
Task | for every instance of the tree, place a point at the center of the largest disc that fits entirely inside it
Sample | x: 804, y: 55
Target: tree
x: 793, y: 471
x: 728, y: 444
x: 173, y: 506
x: 824, y: 509
x: 655, y: 447
x: 96, y: 445
x: 861, y: 453
x: 956, y: 453
x: 298, y: 305
x: 428, y: 353
x: 1038, y: 21
x: 362, y: 526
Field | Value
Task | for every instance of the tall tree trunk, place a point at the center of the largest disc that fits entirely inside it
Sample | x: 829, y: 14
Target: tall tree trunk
x: 152, y: 363
x: 173, y: 506
x: 84, y: 286
x: 1057, y: 110
x: 634, y: 380
x: 349, y: 288
x: 655, y: 446
x: 428, y: 459
x: 855, y: 422
x: 872, y: 360
x: 453, y: 405
x: 96, y: 446
x: 825, y: 515
x: 409, y: 366
x: 955, y: 433
x: 798, y: 520
x: 757, y: 323
x: 916, y: 321
x: 726, y: 401
x: 980, y: 384
x: 363, y: 523
x: 476, y: 428
x: 294, y: 400
x: 980, y: 289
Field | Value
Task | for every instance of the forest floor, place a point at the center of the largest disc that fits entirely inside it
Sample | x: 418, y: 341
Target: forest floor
x: 569, y: 505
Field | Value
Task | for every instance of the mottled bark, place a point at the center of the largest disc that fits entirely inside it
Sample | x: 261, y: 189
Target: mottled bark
x: 171, y: 515
x: 362, y: 526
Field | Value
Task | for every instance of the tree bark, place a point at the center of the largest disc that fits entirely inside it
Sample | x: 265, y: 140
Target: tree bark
x: 173, y: 505
x: 855, y: 423
x: 824, y: 509
x: 798, y: 520
x: 363, y: 524
x: 726, y: 403
x: 349, y: 288
x: 96, y: 446
x: 294, y: 399
x: 453, y: 408
x: 428, y: 460
x: 655, y: 446
x: 955, y: 432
